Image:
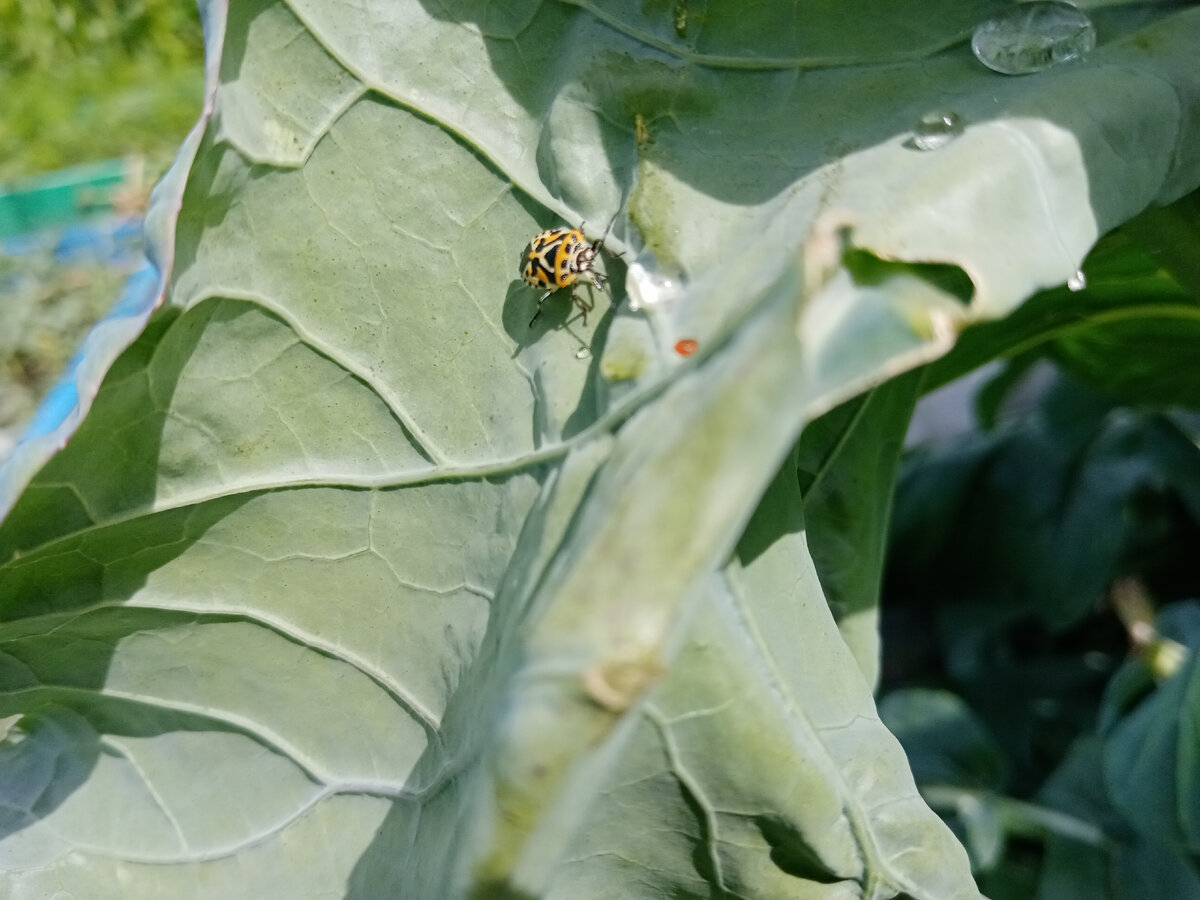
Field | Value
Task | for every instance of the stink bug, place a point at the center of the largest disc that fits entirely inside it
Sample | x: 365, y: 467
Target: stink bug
x: 555, y: 259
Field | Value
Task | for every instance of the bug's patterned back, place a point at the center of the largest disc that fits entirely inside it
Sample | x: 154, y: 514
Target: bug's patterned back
x: 556, y: 258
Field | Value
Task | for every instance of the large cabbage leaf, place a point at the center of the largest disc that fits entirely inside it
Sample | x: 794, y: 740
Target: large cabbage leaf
x: 353, y: 583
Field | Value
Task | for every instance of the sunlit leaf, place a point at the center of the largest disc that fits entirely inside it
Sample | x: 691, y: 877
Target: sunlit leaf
x: 353, y: 583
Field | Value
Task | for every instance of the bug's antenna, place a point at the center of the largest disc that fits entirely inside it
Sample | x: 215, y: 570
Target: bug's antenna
x: 611, y: 223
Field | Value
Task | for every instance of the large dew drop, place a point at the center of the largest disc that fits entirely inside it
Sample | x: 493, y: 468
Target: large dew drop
x: 1030, y: 37
x: 935, y: 130
x: 647, y: 288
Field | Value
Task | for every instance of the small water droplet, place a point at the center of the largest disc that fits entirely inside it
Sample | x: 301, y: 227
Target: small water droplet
x: 1029, y: 37
x: 583, y: 353
x: 1077, y: 282
x: 935, y: 130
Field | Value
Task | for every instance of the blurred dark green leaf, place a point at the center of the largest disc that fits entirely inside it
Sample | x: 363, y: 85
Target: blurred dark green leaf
x: 945, y: 741
x: 1152, y: 762
x: 1039, y: 516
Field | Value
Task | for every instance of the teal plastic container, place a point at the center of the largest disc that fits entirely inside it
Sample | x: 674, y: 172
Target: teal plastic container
x: 57, y: 198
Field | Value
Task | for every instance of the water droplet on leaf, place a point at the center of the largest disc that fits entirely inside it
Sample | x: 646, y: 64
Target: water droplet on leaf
x: 935, y: 130
x: 583, y: 353
x: 648, y: 288
x: 1077, y: 282
x: 1029, y: 37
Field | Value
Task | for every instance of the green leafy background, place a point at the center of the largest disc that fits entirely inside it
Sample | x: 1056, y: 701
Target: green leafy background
x: 352, y: 584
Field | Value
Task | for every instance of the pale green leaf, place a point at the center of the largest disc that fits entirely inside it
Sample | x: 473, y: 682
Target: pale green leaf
x: 354, y: 584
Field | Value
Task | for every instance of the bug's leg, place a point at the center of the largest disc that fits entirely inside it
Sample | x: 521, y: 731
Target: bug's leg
x: 584, y: 307
x: 539, y: 307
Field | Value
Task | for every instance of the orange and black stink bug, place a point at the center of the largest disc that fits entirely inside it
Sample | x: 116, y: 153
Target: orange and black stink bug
x: 555, y: 259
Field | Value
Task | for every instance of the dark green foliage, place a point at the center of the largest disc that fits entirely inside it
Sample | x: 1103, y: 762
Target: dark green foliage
x: 1067, y: 772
